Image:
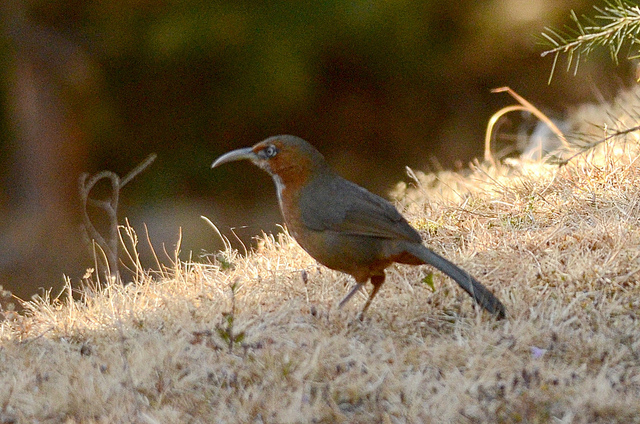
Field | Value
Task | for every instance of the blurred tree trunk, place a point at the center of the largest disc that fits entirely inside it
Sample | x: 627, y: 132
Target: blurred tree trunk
x: 47, y: 149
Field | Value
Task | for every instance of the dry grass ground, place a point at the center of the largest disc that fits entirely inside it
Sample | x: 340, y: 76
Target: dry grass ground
x: 258, y: 339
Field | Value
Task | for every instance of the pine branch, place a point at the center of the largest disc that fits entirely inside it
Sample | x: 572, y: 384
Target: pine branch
x: 591, y: 146
x: 615, y: 26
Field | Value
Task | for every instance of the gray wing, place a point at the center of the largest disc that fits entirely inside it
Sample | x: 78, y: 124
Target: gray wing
x: 348, y: 208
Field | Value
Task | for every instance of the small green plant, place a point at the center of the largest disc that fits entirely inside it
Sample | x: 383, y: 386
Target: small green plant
x: 224, y: 260
x: 428, y: 280
x: 226, y: 330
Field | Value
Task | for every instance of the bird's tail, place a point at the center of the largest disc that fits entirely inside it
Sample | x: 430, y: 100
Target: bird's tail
x: 476, y: 290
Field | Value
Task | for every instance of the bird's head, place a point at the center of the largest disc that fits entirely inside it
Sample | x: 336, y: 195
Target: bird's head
x: 285, y: 156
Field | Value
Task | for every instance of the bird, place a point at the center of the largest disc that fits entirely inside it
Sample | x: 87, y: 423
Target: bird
x: 344, y: 226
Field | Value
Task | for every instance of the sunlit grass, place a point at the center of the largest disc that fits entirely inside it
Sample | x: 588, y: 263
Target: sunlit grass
x: 258, y: 338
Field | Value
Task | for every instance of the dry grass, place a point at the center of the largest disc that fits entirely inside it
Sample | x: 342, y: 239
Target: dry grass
x: 262, y: 341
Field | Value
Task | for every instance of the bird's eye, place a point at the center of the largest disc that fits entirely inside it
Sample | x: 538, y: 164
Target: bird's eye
x: 270, y: 151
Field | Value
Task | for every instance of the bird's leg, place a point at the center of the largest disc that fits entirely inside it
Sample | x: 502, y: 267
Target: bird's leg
x: 377, y: 281
x: 353, y: 291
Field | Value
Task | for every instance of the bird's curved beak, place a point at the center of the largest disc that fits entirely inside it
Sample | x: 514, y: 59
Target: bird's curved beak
x: 234, y: 155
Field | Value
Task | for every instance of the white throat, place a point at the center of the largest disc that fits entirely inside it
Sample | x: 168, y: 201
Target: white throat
x: 279, y: 188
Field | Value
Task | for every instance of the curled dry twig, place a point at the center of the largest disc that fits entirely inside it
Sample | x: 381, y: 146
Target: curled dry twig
x: 109, y: 242
x: 524, y: 105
